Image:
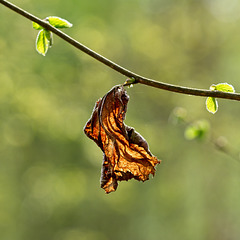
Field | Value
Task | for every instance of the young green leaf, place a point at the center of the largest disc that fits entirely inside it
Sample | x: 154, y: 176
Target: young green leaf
x: 197, y: 130
x: 225, y: 87
x: 58, y: 22
x: 42, y: 43
x: 36, y: 26
x: 211, y: 105
x: 49, y: 36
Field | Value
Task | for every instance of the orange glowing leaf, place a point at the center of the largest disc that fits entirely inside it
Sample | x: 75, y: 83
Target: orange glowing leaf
x: 126, y: 153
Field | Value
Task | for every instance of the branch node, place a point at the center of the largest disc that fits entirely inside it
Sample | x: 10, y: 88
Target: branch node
x: 130, y: 81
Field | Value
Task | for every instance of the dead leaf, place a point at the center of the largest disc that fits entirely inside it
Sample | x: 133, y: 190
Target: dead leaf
x: 125, y: 152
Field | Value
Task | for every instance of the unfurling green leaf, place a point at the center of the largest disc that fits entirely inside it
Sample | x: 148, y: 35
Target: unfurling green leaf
x: 224, y: 87
x: 36, y: 26
x: 42, y: 42
x: 197, y: 130
x: 58, y: 22
x: 49, y: 36
x: 45, y: 37
x: 211, y: 105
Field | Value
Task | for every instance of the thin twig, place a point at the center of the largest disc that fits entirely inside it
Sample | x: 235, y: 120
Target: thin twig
x: 137, y: 78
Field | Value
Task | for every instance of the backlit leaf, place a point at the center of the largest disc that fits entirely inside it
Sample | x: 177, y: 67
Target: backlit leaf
x: 58, y: 22
x: 42, y: 43
x: 49, y: 37
x: 211, y: 105
x: 224, y: 87
x: 197, y: 130
x: 125, y: 152
x: 36, y: 26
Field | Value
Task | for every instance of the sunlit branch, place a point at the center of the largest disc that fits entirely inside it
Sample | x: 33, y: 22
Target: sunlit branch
x: 137, y: 78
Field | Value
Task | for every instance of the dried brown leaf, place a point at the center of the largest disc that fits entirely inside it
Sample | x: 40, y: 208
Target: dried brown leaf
x: 125, y: 152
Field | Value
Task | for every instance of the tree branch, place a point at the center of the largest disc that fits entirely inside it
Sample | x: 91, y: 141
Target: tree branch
x: 137, y: 78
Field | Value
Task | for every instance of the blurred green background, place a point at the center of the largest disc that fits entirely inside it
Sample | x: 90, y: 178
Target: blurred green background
x: 49, y: 170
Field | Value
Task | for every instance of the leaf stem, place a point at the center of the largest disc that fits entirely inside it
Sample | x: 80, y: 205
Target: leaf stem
x: 138, y: 78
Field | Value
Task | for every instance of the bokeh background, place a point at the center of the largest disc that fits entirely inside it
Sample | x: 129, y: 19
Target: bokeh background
x: 49, y: 170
